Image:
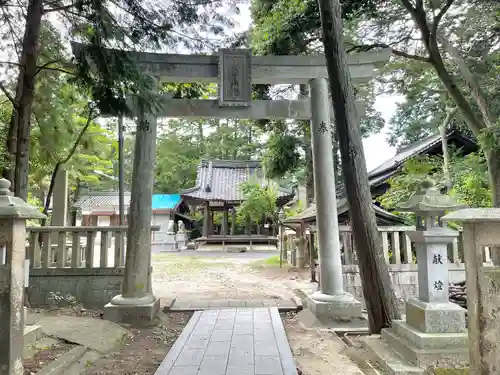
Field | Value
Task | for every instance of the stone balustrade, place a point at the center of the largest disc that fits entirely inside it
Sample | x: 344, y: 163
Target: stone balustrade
x: 398, y: 247
x: 86, y: 262
x: 76, y: 247
x: 399, y: 253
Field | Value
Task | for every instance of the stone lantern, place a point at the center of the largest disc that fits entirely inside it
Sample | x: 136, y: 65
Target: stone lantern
x: 433, y: 333
x: 431, y: 239
x: 13, y: 215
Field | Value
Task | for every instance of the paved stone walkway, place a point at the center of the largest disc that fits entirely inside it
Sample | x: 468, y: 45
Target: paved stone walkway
x: 238, y: 341
x: 188, y: 304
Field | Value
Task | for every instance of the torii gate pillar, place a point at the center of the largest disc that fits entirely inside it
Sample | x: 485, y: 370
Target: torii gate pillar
x: 330, y: 300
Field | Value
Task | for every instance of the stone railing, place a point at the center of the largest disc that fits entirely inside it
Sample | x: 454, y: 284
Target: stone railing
x: 399, y: 255
x: 86, y: 263
x: 77, y: 247
x: 398, y: 248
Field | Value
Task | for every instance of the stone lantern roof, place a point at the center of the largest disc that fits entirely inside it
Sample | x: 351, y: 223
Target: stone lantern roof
x: 428, y: 198
x: 15, y: 207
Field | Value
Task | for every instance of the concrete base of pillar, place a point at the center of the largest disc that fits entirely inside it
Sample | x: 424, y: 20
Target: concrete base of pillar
x: 138, y: 313
x: 342, y: 306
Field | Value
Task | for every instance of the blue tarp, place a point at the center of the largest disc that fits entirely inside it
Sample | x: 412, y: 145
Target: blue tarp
x: 165, y: 201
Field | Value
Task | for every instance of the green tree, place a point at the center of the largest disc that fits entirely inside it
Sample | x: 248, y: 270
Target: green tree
x: 293, y: 27
x: 62, y: 132
x: 469, y: 180
x: 458, y: 39
x: 118, y: 24
x: 259, y: 202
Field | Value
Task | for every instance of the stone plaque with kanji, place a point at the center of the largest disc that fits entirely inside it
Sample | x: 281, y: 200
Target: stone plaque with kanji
x: 235, y: 77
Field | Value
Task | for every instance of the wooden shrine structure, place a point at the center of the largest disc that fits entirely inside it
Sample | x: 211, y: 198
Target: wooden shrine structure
x: 218, y: 190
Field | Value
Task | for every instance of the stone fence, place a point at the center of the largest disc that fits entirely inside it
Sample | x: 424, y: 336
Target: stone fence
x: 84, y: 262
x: 399, y: 255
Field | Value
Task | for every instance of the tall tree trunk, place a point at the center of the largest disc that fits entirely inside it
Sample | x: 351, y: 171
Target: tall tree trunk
x: 201, y: 139
x: 377, y: 287
x: 25, y: 90
x: 450, y: 112
x: 336, y: 159
x: 493, y: 162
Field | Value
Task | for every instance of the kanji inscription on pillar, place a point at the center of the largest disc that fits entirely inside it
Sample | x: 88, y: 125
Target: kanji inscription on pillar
x: 235, y: 77
x: 437, y: 259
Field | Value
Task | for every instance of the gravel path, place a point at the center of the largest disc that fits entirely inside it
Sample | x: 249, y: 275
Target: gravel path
x: 221, y: 276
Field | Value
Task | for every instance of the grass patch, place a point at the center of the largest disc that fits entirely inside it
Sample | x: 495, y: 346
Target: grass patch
x: 273, y: 261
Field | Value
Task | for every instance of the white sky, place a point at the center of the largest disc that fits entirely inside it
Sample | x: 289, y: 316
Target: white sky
x: 377, y: 150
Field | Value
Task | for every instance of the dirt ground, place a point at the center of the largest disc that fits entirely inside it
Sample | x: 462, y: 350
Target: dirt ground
x: 220, y: 275
x: 144, y: 350
x: 318, y: 351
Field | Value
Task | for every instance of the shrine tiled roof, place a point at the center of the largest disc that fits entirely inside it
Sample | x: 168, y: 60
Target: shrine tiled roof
x: 100, y: 200
x: 424, y: 146
x: 220, y: 180
x: 309, y: 214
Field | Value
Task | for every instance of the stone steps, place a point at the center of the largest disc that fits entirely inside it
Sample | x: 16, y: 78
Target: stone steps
x: 381, y: 355
x: 186, y: 305
x: 32, y: 333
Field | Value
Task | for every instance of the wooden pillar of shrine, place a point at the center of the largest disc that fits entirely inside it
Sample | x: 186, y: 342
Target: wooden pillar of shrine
x: 233, y: 221
x: 206, y: 220
x: 225, y: 221
x: 211, y: 229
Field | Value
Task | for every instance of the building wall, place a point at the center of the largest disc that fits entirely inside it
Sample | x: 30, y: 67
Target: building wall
x: 162, y: 220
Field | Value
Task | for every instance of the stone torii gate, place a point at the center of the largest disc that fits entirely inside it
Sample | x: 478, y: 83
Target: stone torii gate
x: 235, y: 71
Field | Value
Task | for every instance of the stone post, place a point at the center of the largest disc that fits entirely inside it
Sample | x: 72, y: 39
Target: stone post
x: 60, y: 198
x: 60, y: 206
x: 137, y: 303
x: 330, y: 299
x: 433, y: 333
x: 13, y: 215
x: 170, y: 243
x: 481, y: 228
x: 180, y: 236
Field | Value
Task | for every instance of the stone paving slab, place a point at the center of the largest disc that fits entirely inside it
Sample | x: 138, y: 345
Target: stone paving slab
x: 184, y: 304
x: 233, y: 341
x: 96, y: 334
